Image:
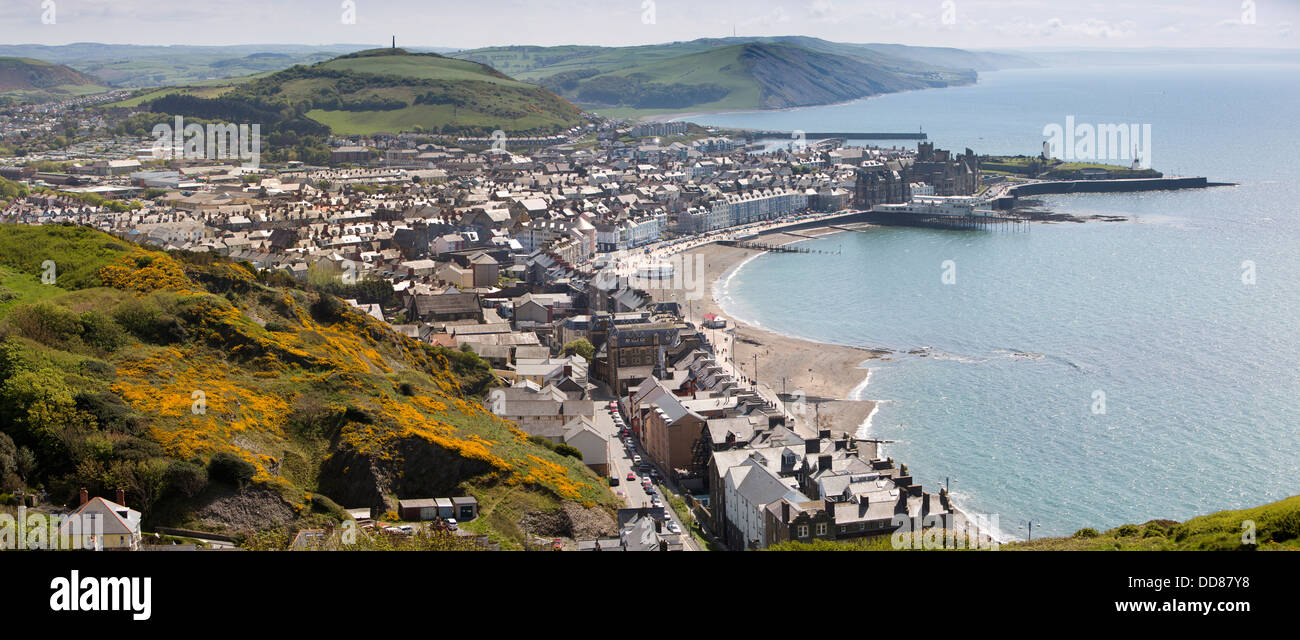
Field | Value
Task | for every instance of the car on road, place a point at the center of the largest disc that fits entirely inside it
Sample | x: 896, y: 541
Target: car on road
x: 613, y: 481
x: 631, y: 477
x: 673, y: 528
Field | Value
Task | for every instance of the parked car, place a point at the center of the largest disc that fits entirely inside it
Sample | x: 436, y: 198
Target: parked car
x: 636, y: 460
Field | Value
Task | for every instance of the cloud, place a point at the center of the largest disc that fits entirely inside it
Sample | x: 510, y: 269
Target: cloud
x: 821, y: 9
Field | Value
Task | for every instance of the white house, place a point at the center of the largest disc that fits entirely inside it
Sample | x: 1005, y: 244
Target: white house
x: 100, y: 524
x: 581, y: 434
x: 749, y: 488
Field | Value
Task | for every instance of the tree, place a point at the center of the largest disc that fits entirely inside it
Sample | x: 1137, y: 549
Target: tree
x: 582, y: 347
x: 186, y: 478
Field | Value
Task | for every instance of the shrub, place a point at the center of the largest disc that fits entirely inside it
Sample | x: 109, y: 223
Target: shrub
x: 1087, y: 532
x: 186, y: 478
x: 406, y: 389
x: 11, y: 360
x: 45, y: 323
x: 148, y: 321
x: 1283, y: 527
x: 1128, y: 530
x: 231, y: 469
x: 98, y: 368
x: 311, y: 415
x: 8, y: 455
x: 328, y: 309
x: 545, y: 442
x: 357, y: 414
x: 110, y: 412
x: 99, y: 331
x: 568, y: 450
x: 322, y: 504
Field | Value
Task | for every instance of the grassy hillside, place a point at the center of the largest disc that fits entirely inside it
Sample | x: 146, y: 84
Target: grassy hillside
x: 384, y: 90
x: 29, y: 79
x: 204, y: 89
x: 1276, y: 526
x: 226, y: 400
x: 719, y: 74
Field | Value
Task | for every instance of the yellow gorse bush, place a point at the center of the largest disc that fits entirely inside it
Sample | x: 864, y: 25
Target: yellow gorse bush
x: 144, y: 272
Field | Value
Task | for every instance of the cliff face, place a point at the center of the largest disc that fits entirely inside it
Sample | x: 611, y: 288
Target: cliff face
x: 796, y: 77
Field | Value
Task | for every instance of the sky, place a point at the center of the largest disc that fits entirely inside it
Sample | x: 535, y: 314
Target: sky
x: 969, y: 24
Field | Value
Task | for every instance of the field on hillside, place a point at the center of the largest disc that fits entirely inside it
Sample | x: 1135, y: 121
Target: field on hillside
x: 422, y: 68
x: 206, y: 89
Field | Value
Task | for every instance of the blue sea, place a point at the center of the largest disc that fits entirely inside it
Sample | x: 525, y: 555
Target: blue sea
x: 1077, y: 375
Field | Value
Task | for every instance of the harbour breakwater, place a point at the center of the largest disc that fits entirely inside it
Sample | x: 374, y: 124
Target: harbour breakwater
x: 1057, y: 187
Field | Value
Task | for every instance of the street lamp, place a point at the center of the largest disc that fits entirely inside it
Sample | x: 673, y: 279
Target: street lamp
x: 1031, y: 527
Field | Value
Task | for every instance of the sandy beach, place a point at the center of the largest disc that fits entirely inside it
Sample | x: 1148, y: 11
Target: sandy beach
x: 825, y: 374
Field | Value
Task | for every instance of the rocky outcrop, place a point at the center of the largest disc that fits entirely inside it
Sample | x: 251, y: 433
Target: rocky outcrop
x: 419, y: 469
x: 570, y: 521
x: 252, y: 509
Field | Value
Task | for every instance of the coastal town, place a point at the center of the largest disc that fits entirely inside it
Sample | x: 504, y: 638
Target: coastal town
x: 582, y: 273
x: 285, y: 284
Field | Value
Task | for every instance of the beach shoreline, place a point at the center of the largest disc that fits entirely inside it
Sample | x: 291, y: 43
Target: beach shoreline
x: 826, y: 376
x: 832, y: 377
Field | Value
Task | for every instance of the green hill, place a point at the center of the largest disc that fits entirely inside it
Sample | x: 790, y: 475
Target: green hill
x: 227, y: 400
x: 26, y: 78
x: 730, y: 73
x: 381, y: 90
